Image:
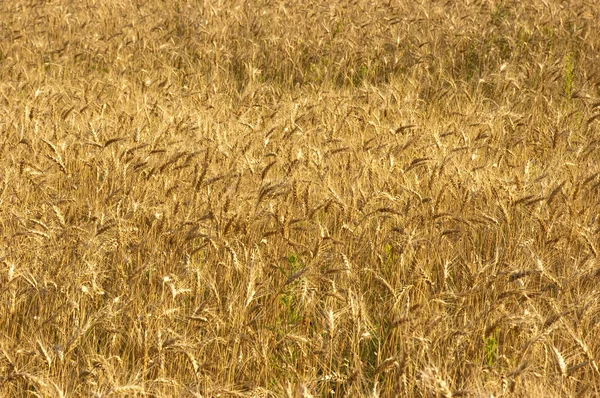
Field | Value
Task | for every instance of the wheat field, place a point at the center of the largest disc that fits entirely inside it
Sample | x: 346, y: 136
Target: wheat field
x: 283, y: 199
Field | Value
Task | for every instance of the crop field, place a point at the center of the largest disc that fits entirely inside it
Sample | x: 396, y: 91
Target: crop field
x: 299, y: 199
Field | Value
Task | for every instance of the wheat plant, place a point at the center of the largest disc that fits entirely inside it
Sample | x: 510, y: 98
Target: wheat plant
x: 299, y: 199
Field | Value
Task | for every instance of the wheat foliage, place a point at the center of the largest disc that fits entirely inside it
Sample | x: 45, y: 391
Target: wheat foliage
x: 301, y: 199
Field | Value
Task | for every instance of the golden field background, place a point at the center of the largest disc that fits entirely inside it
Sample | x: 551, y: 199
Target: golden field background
x: 283, y: 199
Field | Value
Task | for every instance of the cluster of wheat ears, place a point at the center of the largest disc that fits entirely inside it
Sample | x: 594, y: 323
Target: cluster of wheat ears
x: 274, y: 198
